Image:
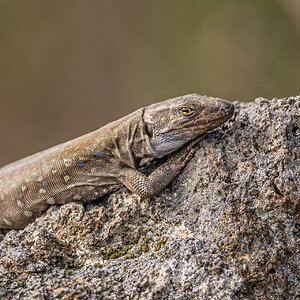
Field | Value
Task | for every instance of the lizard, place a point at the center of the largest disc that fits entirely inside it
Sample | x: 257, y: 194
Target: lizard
x: 104, y: 160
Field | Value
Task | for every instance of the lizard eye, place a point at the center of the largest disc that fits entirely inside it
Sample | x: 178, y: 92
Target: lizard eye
x: 187, y: 111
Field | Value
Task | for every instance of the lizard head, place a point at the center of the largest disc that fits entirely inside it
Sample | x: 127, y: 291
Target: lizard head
x: 172, y: 123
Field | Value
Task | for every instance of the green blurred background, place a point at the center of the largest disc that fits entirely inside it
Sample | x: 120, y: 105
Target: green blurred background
x: 69, y: 67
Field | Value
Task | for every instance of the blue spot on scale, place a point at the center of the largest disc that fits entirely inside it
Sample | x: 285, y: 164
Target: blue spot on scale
x: 81, y: 164
x: 44, y: 182
x: 98, y: 154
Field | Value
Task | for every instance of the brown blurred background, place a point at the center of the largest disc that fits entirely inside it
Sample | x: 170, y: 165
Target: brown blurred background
x: 69, y: 67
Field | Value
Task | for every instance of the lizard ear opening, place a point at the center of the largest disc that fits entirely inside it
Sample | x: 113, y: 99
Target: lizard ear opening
x: 149, y: 130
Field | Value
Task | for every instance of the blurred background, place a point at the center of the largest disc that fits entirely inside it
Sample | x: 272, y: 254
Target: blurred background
x: 69, y: 67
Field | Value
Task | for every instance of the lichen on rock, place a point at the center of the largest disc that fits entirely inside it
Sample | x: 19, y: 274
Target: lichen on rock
x: 226, y: 228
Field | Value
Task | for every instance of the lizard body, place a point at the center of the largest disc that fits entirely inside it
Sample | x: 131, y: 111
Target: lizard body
x: 100, y: 162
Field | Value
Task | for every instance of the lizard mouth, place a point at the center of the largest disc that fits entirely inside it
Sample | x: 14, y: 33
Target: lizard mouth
x: 227, y: 112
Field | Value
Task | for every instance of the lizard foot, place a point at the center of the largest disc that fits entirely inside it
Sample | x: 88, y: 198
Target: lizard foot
x: 186, y: 152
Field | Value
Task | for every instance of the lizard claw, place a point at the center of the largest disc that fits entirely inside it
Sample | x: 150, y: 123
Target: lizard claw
x: 195, y: 141
x: 186, y: 152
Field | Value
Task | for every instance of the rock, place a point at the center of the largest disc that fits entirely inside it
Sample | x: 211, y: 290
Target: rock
x: 226, y: 228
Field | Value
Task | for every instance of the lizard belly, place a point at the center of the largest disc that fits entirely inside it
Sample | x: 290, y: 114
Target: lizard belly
x: 21, y: 204
x: 85, y: 192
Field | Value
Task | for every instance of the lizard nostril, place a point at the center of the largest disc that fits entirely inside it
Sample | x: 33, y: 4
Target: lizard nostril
x: 228, y: 106
x: 225, y: 105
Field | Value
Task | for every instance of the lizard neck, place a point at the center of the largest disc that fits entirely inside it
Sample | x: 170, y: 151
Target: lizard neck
x: 130, y: 140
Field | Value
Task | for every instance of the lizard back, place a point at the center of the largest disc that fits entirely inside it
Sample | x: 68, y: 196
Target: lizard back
x: 82, y: 169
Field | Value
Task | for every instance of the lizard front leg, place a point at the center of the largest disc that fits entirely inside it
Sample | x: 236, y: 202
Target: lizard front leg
x: 149, y: 186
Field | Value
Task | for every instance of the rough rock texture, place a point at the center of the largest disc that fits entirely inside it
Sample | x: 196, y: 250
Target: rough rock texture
x: 226, y: 228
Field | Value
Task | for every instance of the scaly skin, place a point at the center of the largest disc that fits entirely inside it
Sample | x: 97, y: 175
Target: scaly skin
x: 100, y: 162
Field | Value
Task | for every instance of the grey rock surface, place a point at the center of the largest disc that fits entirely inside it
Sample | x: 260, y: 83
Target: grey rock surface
x: 226, y: 228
